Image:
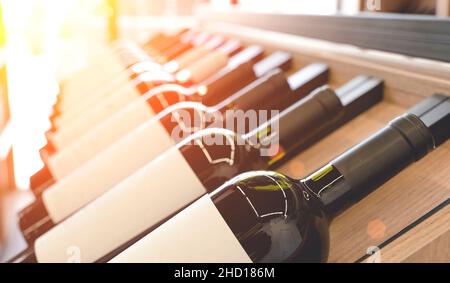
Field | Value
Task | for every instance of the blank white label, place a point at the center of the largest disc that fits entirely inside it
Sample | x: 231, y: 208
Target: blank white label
x: 94, y: 74
x: 106, y: 170
x: 191, y: 56
x: 195, y: 235
x: 110, y: 106
x: 104, y: 135
x: 207, y: 66
x: 72, y: 106
x: 139, y: 202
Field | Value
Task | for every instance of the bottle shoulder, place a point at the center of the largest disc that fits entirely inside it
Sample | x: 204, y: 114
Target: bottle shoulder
x: 217, y: 155
x: 272, y: 218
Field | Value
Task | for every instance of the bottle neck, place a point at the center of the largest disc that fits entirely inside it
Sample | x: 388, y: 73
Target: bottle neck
x: 145, y: 81
x: 257, y: 95
x: 297, y: 126
x: 228, y: 81
x: 274, y: 91
x: 359, y: 171
x: 235, y: 75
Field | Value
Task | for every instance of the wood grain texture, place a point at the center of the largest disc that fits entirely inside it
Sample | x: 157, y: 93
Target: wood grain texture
x: 427, y: 242
x: 412, y: 193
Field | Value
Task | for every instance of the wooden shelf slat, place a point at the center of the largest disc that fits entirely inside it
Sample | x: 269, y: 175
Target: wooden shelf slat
x: 429, y: 241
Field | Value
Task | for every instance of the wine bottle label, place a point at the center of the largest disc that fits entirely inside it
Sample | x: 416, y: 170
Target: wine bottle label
x: 109, y: 91
x: 153, y: 193
x: 95, y: 72
x: 323, y: 180
x: 190, y: 57
x: 89, y: 94
x: 74, y: 105
x: 195, y: 235
x: 97, y: 63
x: 106, y: 170
x: 110, y: 106
x: 107, y: 133
x: 208, y: 66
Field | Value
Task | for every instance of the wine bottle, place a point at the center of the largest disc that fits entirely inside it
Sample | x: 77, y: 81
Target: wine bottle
x: 138, y: 112
x: 221, y: 86
x: 105, y: 66
x: 108, y: 66
x: 79, y: 103
x: 157, y: 38
x: 107, y: 75
x: 138, y: 62
x: 159, y: 44
x: 174, y: 51
x: 142, y: 201
x: 141, y: 83
x: 201, y: 49
x: 122, y: 82
x: 268, y: 217
x: 238, y: 73
x: 69, y: 107
x: 117, y: 100
x: 140, y: 147
x: 158, y: 48
x: 155, y: 136
x: 119, y: 73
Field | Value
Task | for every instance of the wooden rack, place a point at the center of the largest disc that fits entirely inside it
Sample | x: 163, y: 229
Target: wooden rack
x: 407, y: 197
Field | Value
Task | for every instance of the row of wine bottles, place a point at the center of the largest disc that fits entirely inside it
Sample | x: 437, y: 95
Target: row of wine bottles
x: 119, y: 185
